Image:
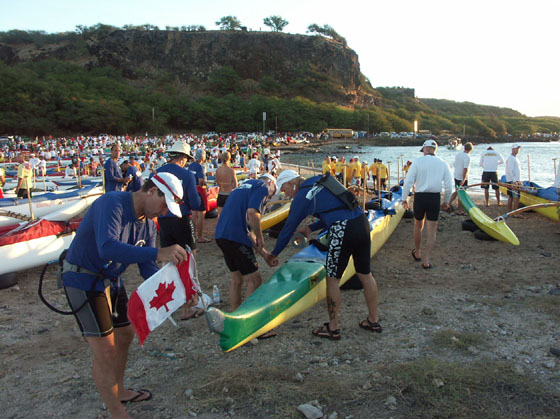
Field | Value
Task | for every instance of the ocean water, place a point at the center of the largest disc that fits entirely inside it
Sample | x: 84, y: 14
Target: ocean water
x: 538, y: 157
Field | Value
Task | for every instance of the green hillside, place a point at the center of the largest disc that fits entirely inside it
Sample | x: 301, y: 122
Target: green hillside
x: 61, y: 89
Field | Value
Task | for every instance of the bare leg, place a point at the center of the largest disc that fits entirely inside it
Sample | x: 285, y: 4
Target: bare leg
x: 498, y: 196
x: 418, y: 228
x: 106, y: 372
x: 371, y: 295
x: 235, y: 288
x: 510, y: 203
x: 515, y: 203
x: 431, y: 240
x: 334, y: 299
x: 254, y: 281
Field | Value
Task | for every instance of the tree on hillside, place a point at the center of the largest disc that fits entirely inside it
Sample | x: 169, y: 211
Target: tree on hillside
x: 327, y: 31
x: 229, y: 23
x: 276, y: 23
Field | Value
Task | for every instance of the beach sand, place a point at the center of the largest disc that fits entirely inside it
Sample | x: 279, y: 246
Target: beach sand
x: 484, y: 303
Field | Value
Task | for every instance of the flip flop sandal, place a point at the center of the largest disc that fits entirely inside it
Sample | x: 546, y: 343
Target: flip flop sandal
x: 325, y: 332
x: 428, y: 266
x: 371, y: 326
x: 141, y: 393
x: 416, y: 258
x: 194, y: 315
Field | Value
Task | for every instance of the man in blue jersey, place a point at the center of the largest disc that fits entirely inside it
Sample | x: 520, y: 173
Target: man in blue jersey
x: 117, y: 231
x: 239, y: 231
x: 133, y: 174
x: 197, y: 169
x: 114, y: 180
x: 350, y: 236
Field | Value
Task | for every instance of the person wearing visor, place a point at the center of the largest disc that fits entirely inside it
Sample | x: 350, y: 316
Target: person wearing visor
x: 117, y: 231
x: 238, y: 232
x: 350, y: 236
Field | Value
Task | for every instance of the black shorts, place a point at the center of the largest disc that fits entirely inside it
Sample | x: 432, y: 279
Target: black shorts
x: 174, y: 230
x: 94, y: 318
x: 222, y: 198
x: 22, y: 193
x: 458, y: 183
x: 238, y: 256
x: 490, y: 177
x: 349, y: 238
x: 426, y: 204
x: 512, y: 192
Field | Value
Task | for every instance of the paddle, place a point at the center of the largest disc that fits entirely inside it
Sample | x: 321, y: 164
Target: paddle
x: 528, y: 208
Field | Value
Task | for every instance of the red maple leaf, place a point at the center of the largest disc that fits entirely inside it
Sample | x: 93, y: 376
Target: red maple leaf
x: 164, y: 296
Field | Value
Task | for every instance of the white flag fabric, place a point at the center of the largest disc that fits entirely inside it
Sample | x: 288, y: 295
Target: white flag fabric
x: 160, y: 295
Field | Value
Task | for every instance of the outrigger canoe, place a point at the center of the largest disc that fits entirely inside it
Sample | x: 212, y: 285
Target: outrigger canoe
x: 13, y: 210
x: 276, y: 216
x: 532, y: 194
x: 34, y: 244
x: 496, y: 229
x: 296, y: 286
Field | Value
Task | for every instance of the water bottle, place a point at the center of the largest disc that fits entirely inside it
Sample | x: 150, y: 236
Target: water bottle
x: 216, y: 295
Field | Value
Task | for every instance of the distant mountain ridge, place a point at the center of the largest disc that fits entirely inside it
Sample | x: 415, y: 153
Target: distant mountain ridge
x: 132, y: 80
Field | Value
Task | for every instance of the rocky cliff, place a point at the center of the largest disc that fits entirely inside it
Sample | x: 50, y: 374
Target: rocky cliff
x: 313, y: 66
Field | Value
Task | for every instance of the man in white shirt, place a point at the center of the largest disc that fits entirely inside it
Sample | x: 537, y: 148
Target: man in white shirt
x: 254, y: 166
x: 461, y: 173
x: 490, y: 161
x: 34, y: 161
x: 427, y: 174
x: 513, y: 176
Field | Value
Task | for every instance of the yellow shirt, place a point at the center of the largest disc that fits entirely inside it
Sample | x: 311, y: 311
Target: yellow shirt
x: 26, y: 173
x: 357, y: 170
x: 382, y: 171
x: 326, y: 167
x: 338, y: 167
x: 349, y: 168
x: 333, y: 168
x: 373, y: 169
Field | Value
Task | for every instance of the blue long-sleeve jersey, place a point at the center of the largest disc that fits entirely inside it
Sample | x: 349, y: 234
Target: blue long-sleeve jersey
x: 191, y: 198
x: 110, y: 238
x: 313, y: 200
x: 112, y: 172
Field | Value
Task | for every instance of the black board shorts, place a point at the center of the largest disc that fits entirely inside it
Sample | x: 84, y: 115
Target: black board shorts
x: 349, y: 238
x: 458, y: 183
x: 175, y: 230
x: 94, y: 318
x: 222, y: 198
x: 426, y: 204
x: 238, y: 256
x: 490, y: 177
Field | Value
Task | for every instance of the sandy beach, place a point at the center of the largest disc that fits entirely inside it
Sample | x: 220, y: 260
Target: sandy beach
x: 470, y: 337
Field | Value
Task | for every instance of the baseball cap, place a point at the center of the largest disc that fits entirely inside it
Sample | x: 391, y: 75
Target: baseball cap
x: 121, y: 161
x: 199, y: 153
x: 429, y: 143
x: 515, y: 146
x: 172, y: 189
x: 285, y: 176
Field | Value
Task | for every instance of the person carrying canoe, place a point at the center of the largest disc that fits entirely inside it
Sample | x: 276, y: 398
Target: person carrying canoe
x: 426, y: 175
x: 350, y: 236
x: 117, y: 231
x: 242, y: 211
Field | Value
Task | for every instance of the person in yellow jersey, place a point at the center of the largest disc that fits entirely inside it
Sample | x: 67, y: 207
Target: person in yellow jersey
x: 373, y: 169
x: 25, y: 177
x: 333, y: 166
x: 356, y: 171
x: 326, y: 167
x: 349, y: 170
x: 365, y: 172
x: 382, y: 173
x: 339, y: 168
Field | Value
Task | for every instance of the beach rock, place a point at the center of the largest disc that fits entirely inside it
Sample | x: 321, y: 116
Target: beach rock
x: 189, y: 393
x: 310, y: 411
x: 390, y: 401
x: 428, y: 311
x: 332, y: 415
x: 554, y: 291
x: 299, y: 378
x: 438, y: 382
x: 550, y: 364
x: 518, y: 369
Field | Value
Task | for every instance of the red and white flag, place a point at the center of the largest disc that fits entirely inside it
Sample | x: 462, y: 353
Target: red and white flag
x: 160, y: 295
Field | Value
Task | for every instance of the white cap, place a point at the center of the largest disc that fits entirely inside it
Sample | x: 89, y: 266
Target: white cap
x: 356, y: 158
x: 429, y: 143
x: 181, y: 147
x: 121, y: 161
x: 515, y: 146
x: 285, y: 176
x: 271, y: 179
x: 172, y: 189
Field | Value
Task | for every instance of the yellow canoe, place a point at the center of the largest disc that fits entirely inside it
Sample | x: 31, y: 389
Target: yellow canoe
x: 274, y: 217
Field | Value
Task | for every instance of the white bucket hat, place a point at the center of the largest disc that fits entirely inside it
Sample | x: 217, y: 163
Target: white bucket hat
x: 172, y: 189
x: 181, y: 147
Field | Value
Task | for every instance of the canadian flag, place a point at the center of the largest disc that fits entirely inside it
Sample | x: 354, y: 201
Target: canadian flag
x: 160, y: 295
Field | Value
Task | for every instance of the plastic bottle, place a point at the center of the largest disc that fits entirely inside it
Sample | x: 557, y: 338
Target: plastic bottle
x: 216, y: 295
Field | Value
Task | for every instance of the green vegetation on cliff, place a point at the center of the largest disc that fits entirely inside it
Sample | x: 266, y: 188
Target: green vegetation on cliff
x: 75, y: 83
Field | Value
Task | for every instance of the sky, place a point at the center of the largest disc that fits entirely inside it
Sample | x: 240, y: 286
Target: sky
x: 492, y: 52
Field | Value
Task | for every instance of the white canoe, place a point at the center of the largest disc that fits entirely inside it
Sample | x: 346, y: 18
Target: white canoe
x: 65, y: 209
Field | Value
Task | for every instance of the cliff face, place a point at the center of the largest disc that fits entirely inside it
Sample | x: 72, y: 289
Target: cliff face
x: 192, y: 56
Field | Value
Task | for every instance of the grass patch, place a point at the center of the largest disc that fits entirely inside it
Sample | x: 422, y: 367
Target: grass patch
x: 433, y: 388
x: 457, y: 340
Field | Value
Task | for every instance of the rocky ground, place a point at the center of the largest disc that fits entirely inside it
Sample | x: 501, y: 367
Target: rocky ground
x: 471, y: 337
